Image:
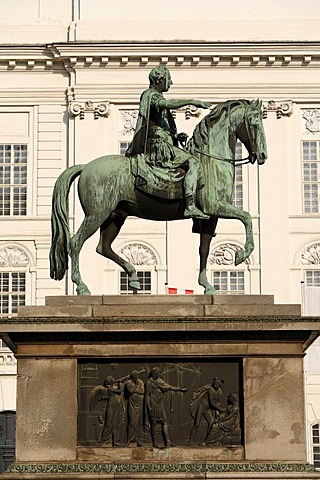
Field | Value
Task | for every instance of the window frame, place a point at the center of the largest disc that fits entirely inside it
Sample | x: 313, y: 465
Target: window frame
x: 304, y: 182
x: 28, y: 139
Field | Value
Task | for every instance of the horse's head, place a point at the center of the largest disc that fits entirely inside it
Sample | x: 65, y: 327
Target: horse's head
x: 251, y: 132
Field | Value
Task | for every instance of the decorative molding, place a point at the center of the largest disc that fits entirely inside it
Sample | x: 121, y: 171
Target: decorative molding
x: 94, y: 468
x: 99, y: 109
x: 311, y: 255
x: 13, y: 257
x: 281, y: 108
x: 129, y: 120
x: 312, y: 118
x: 7, y: 359
x: 138, y: 254
x: 224, y: 254
x: 189, y: 111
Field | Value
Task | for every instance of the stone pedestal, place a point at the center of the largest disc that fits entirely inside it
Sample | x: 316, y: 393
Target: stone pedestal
x: 265, y: 342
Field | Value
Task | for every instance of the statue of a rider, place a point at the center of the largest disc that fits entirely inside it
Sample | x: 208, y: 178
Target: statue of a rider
x: 156, y: 142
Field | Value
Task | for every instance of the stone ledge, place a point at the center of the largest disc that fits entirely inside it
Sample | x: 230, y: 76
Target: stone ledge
x: 173, y: 454
x: 140, y: 299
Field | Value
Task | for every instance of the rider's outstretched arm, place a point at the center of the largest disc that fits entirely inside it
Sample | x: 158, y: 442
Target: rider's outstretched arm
x: 172, y: 103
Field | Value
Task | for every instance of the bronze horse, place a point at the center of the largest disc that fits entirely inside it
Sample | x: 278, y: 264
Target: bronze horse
x: 108, y: 196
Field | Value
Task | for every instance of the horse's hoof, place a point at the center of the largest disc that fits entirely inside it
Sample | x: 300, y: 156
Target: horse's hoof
x: 83, y: 291
x: 135, y: 284
x: 239, y: 257
x: 210, y: 291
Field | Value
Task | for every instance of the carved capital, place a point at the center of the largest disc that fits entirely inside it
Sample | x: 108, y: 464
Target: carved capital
x: 101, y: 109
x: 282, y: 108
x: 189, y: 111
x: 312, y: 118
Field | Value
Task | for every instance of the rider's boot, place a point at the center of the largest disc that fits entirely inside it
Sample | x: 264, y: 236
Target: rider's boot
x: 192, y: 211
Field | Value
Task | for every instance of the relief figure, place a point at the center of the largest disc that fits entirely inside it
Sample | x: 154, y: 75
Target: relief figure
x: 226, y: 425
x: 154, y: 406
x: 134, y: 393
x: 206, y: 402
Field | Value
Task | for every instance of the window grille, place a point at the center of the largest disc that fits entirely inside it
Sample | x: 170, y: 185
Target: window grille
x: 310, y: 176
x: 145, y: 283
x: 227, y: 281
x: 316, y: 445
x: 13, y: 179
x: 12, y: 291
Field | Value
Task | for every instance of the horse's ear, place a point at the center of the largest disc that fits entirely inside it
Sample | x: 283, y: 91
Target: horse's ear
x: 256, y: 103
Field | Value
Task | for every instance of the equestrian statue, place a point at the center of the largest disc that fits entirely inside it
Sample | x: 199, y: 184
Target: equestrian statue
x: 162, y: 177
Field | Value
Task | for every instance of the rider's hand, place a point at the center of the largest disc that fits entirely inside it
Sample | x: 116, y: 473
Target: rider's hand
x: 182, y: 137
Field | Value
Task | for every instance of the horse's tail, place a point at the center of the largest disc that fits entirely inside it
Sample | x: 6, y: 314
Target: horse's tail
x: 60, y: 233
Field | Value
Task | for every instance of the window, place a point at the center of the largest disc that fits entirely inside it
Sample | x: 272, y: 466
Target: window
x: 13, y: 179
x: 238, y: 179
x: 312, y: 278
x: 145, y: 283
x: 12, y: 291
x: 310, y: 176
x: 226, y: 281
x: 316, y: 444
x: 123, y: 147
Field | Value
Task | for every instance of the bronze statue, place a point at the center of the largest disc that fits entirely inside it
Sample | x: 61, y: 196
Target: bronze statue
x: 154, y: 407
x: 108, y: 192
x: 156, y: 138
x: 206, y: 402
x: 226, y: 424
x: 134, y: 392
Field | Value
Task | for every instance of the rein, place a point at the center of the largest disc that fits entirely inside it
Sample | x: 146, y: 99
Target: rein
x: 234, y: 161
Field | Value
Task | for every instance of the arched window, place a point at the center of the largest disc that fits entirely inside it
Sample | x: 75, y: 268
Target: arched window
x: 144, y: 260
x: 310, y: 258
x: 14, y: 266
x: 226, y: 278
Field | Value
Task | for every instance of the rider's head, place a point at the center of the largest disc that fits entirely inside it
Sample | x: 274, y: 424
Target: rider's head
x: 160, y: 74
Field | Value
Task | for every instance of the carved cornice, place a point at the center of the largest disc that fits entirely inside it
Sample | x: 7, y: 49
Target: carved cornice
x: 280, y: 108
x: 74, y: 55
x: 94, y: 468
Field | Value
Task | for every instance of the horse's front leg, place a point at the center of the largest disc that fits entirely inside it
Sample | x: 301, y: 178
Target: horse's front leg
x: 227, y: 210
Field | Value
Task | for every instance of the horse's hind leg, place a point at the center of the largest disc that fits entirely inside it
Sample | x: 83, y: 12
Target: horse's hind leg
x: 108, y: 232
x: 89, y: 226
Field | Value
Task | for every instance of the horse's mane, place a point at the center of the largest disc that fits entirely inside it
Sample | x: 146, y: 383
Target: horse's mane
x: 200, y: 135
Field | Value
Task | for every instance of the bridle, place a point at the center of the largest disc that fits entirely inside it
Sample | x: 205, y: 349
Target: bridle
x: 234, y: 161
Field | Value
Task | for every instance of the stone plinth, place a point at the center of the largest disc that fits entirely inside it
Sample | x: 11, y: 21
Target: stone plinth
x: 267, y: 342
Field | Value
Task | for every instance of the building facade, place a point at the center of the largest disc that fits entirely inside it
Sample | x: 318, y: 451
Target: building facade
x: 71, y: 76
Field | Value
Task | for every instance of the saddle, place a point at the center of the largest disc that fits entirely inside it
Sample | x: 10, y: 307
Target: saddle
x: 158, y: 181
